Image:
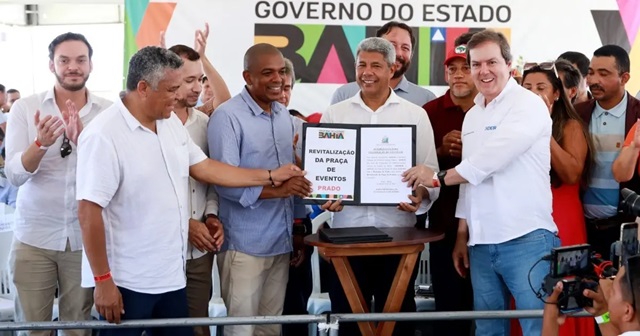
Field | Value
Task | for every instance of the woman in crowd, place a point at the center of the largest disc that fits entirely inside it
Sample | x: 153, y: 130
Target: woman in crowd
x: 571, y: 162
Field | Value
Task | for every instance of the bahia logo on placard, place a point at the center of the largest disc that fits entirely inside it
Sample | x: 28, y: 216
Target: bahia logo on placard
x: 323, y: 134
x: 385, y: 139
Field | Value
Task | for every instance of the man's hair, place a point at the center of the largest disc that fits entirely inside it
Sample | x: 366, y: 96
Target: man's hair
x: 68, y: 37
x: 149, y: 64
x: 290, y: 71
x: 490, y: 36
x: 12, y: 91
x: 2, y: 88
x: 384, y: 30
x: 463, y: 39
x: 572, y: 76
x: 257, y: 50
x: 379, y: 45
x: 579, y: 59
x: 620, y: 55
x: 185, y: 52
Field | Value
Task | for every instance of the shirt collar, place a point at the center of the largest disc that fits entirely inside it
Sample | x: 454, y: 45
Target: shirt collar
x: 392, y: 99
x: 616, y: 111
x: 254, y: 107
x: 403, y: 85
x: 447, y: 102
x: 131, y: 121
x: 51, y: 95
x: 511, y: 83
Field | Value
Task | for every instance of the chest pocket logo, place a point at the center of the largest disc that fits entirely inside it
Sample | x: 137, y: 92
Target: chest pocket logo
x: 490, y: 128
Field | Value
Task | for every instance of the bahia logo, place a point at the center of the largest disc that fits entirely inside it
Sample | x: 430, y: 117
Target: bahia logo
x: 330, y: 134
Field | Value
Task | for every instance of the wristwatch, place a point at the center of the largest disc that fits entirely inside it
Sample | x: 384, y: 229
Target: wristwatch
x: 441, y: 174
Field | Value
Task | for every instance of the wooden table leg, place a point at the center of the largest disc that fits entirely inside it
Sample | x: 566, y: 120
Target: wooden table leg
x: 397, y: 292
x: 353, y: 293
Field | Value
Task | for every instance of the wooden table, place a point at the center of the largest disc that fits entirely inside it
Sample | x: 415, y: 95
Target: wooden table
x: 407, y: 242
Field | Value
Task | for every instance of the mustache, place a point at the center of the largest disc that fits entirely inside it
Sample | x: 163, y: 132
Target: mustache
x: 596, y: 87
x: 74, y: 73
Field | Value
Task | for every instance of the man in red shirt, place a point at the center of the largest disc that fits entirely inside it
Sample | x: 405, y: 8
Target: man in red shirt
x: 452, y: 291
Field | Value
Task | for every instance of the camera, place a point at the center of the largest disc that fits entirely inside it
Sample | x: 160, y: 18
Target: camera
x: 630, y: 203
x: 578, y: 269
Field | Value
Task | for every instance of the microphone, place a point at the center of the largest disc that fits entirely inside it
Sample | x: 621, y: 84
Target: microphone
x: 631, y: 201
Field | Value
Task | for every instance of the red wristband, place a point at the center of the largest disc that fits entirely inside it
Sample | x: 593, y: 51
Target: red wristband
x: 39, y: 144
x: 102, y: 277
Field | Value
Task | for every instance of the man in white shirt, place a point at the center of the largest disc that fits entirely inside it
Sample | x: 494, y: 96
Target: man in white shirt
x: 504, y: 204
x: 205, y: 230
x: 134, y: 164
x: 41, y: 160
x: 377, y: 103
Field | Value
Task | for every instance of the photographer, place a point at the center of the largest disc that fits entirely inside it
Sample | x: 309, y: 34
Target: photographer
x: 614, y: 304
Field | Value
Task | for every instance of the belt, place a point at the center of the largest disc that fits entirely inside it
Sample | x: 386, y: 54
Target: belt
x: 602, y: 224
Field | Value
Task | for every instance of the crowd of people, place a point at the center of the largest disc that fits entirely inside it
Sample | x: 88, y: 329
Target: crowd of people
x: 125, y: 204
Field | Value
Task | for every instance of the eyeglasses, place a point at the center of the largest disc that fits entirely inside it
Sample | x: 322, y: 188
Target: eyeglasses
x: 632, y: 265
x: 544, y: 66
x: 65, y: 149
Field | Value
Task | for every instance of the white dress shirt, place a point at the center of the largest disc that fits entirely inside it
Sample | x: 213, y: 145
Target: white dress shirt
x: 395, y: 111
x: 141, y: 180
x: 46, y: 209
x: 506, y: 158
x: 203, y: 199
x: 631, y: 333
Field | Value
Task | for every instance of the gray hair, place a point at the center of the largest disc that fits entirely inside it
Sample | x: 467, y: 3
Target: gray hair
x: 379, y: 45
x: 149, y: 64
x: 289, y: 71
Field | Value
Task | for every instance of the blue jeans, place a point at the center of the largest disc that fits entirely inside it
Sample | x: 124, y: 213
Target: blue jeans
x: 141, y: 306
x: 500, y: 269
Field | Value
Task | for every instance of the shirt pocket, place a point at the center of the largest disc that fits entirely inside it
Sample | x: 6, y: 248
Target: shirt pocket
x: 182, y: 159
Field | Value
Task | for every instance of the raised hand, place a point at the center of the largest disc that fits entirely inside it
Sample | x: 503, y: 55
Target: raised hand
x: 49, y: 129
x: 200, y: 44
x: 72, y: 121
x: 636, y: 136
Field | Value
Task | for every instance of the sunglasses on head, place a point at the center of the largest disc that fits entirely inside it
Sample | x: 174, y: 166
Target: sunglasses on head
x: 547, y: 66
x: 65, y: 149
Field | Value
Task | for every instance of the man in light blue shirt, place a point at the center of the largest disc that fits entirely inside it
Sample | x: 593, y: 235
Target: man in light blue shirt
x: 253, y: 130
x: 401, y: 36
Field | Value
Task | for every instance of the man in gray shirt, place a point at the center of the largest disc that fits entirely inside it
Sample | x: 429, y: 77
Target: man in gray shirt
x: 401, y: 36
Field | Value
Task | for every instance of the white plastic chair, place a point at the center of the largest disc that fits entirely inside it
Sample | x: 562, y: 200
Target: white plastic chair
x: 424, y: 278
x: 319, y: 302
x: 217, y: 307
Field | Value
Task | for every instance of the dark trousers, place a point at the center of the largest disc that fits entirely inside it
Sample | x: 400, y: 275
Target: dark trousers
x: 374, y: 275
x: 451, y: 292
x: 141, y: 306
x: 297, y: 295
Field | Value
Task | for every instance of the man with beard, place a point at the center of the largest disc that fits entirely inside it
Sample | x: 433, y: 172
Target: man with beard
x: 610, y: 116
x: 401, y: 36
x: 205, y: 230
x: 446, y: 113
x: 41, y: 159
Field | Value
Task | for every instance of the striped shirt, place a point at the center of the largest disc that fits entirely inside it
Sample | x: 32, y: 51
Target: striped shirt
x: 241, y: 134
x: 607, y: 129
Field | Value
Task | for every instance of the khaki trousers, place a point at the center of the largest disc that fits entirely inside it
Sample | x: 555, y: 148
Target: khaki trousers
x: 253, y: 286
x: 199, y: 282
x: 36, y: 274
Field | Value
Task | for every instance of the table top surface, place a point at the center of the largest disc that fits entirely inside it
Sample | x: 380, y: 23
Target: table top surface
x: 401, y: 237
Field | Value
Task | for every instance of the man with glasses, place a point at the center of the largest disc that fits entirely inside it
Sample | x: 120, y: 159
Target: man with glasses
x: 609, y: 118
x: 614, y: 303
x: 446, y: 113
x: 41, y: 160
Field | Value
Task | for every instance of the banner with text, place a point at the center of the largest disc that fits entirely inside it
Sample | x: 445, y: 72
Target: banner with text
x: 320, y: 37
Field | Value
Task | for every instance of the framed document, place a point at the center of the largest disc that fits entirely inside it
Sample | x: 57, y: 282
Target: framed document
x: 358, y: 164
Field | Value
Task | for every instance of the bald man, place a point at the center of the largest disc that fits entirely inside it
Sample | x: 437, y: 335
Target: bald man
x: 253, y: 130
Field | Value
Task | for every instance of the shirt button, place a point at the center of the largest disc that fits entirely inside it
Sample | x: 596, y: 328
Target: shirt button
x: 604, y: 123
x: 606, y: 113
x: 194, y: 190
x: 194, y: 212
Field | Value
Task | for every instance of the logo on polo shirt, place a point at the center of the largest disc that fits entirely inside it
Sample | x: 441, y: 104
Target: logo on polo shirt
x: 490, y: 128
